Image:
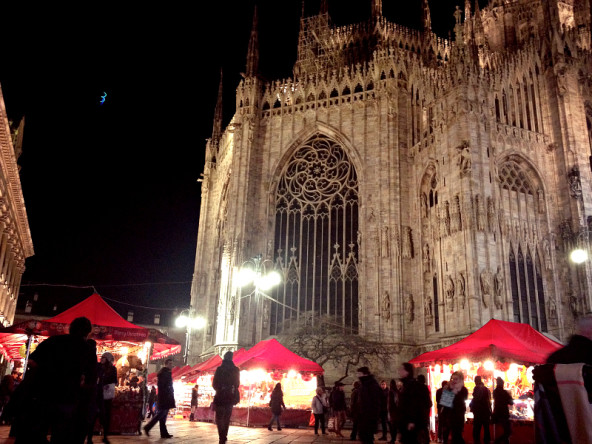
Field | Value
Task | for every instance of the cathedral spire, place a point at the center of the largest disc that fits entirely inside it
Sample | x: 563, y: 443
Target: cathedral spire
x: 376, y: 9
x: 217, y: 130
x: 427, y: 19
x: 478, y: 30
x: 253, y: 52
x: 324, y: 7
x: 467, y: 10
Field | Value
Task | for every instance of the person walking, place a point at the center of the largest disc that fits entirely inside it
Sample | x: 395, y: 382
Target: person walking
x: 276, y: 403
x: 439, y: 422
x: 370, y: 393
x: 355, y: 410
x: 384, y: 411
x: 106, y: 391
x: 481, y: 408
x: 226, y: 383
x: 393, y: 410
x: 319, y: 408
x: 425, y: 405
x: 165, y: 400
x: 194, y: 396
x: 501, y: 411
x: 453, y: 408
x: 151, y: 402
x: 409, y: 405
x: 339, y: 406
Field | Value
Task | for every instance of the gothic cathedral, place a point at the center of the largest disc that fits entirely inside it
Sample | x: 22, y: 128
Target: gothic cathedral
x: 407, y: 186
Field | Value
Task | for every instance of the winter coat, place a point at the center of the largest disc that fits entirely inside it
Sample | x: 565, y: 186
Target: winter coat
x: 194, y: 397
x: 277, y: 402
x: 355, y: 404
x: 166, y: 394
x: 425, y: 404
x: 455, y: 416
x: 409, y: 402
x: 226, y: 383
x: 384, y: 400
x: 481, y: 403
x: 501, y: 401
x: 317, y: 405
x: 393, y: 406
x: 338, y: 400
x: 370, y: 394
x: 578, y: 349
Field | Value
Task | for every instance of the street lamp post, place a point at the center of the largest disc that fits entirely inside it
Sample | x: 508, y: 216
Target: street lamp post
x: 254, y: 272
x: 189, y: 320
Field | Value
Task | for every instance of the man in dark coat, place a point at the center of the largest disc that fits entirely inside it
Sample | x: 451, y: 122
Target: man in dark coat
x: 370, y: 396
x: 409, y: 405
x: 337, y: 401
x: 165, y: 400
x: 579, y: 348
x: 481, y: 408
x: 425, y: 405
x: 61, y: 376
x: 355, y: 410
x: 226, y: 383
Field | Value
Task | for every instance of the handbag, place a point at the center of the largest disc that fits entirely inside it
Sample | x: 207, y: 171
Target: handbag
x: 109, y: 391
x: 331, y: 424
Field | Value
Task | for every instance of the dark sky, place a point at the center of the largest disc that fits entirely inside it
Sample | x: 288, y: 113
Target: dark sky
x: 111, y: 190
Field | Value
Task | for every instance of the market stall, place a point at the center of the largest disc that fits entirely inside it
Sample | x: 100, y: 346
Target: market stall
x: 130, y: 344
x: 498, y: 349
x: 262, y: 367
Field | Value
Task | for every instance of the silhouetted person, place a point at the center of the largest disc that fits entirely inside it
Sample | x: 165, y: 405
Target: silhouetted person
x: 339, y: 406
x: 194, y: 397
x: 454, y: 408
x: 107, y: 383
x: 370, y: 394
x: 151, y: 402
x: 276, y: 403
x: 355, y: 409
x: 393, y: 410
x: 165, y: 400
x: 439, y: 409
x: 425, y: 404
x: 409, y: 405
x: 384, y: 410
x: 226, y: 383
x: 57, y: 387
x: 579, y: 347
x: 501, y: 412
x: 481, y: 408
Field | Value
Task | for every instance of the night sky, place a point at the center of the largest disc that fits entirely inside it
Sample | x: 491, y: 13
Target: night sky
x: 111, y: 190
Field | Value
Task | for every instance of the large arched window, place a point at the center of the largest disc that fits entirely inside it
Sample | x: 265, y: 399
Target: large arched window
x: 522, y: 202
x: 316, y: 237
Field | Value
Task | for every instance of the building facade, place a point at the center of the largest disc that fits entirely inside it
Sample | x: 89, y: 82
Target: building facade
x: 408, y: 186
x: 15, y: 236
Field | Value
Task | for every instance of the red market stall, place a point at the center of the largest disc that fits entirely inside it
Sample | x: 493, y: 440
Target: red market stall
x: 498, y: 349
x: 262, y: 367
x: 130, y: 344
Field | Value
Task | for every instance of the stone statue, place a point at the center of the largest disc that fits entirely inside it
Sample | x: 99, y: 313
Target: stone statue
x: 498, y: 288
x: 464, y: 160
x: 359, y: 240
x: 541, y: 199
x: 407, y: 243
x: 480, y: 213
x: 460, y: 287
x: 409, y: 308
x: 447, y: 218
x: 426, y: 257
x: 575, y: 186
x: 486, y: 286
x: 547, y: 254
x: 424, y: 205
x: 491, y: 219
x: 232, y: 310
x: 552, y: 310
x: 385, y: 245
x: 428, y: 309
x: 449, y: 289
x: 386, y: 306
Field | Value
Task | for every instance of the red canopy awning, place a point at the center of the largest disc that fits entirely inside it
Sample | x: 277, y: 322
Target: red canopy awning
x: 108, y: 326
x: 271, y: 355
x: 498, y: 341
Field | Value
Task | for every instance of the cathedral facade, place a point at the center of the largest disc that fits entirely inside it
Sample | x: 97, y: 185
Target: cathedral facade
x: 408, y: 187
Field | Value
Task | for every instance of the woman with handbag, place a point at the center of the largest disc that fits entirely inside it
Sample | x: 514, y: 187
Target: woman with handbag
x: 107, y: 383
x: 319, y: 409
x: 276, y: 403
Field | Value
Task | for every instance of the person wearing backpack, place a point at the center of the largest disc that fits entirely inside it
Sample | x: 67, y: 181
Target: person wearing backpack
x: 226, y: 383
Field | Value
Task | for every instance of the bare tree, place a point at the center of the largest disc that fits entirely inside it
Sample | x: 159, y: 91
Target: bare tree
x: 327, y: 342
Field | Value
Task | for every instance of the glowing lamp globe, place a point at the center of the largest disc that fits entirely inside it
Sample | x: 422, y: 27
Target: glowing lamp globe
x: 578, y: 256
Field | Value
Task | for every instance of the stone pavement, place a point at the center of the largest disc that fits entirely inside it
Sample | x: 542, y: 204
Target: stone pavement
x: 206, y: 433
